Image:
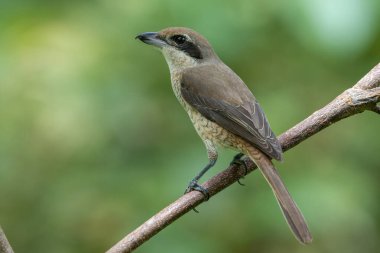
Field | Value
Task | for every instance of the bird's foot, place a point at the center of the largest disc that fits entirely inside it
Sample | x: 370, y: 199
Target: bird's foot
x: 194, y: 186
x: 237, y: 161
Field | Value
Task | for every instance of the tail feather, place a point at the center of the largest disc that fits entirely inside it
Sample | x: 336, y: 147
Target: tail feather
x: 292, y: 214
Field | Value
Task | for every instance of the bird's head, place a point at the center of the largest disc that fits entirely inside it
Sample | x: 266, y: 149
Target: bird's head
x: 182, y: 47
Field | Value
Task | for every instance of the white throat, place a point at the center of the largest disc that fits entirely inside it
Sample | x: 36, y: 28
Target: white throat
x: 178, y: 60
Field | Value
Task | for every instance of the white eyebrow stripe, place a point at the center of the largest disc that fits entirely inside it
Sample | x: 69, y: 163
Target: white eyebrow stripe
x: 187, y: 37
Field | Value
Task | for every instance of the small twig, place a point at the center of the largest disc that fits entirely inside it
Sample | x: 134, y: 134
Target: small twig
x: 5, y: 247
x: 362, y: 96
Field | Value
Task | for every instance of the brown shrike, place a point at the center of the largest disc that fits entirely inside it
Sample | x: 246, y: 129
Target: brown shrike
x: 224, y: 112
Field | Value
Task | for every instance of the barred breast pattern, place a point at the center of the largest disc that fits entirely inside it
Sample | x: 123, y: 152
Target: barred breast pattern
x: 205, y: 128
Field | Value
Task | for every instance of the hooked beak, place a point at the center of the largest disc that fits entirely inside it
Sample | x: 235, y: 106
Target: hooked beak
x: 151, y: 38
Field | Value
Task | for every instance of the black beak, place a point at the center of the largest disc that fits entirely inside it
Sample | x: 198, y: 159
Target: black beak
x: 151, y: 38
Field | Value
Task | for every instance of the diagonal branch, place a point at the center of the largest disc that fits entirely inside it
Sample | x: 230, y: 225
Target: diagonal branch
x: 376, y: 109
x: 364, y: 95
x: 5, y: 247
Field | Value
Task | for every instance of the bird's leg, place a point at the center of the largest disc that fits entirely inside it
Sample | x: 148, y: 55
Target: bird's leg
x: 237, y: 160
x: 193, y: 185
x: 212, y: 156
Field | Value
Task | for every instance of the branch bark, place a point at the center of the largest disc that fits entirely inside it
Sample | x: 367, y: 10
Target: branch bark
x: 5, y: 247
x: 364, y: 95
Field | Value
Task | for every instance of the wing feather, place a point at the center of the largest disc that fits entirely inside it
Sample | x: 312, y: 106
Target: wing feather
x: 222, y: 97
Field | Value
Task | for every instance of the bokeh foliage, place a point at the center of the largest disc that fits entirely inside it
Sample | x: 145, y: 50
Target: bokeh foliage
x: 93, y: 142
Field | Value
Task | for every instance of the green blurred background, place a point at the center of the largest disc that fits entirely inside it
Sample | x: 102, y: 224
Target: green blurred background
x: 93, y: 142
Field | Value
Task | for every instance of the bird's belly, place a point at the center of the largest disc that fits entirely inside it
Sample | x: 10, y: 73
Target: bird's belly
x: 211, y: 131
x: 205, y: 128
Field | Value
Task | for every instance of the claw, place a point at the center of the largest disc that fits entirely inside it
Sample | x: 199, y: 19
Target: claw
x: 237, y: 161
x: 241, y: 182
x: 194, y: 186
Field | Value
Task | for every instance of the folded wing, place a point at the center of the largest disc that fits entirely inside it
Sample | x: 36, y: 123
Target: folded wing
x: 222, y: 97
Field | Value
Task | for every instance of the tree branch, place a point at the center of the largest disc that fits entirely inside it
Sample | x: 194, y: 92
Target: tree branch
x: 364, y: 95
x: 5, y: 247
x: 376, y: 109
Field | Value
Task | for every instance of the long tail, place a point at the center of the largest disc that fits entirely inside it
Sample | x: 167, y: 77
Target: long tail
x: 289, y: 208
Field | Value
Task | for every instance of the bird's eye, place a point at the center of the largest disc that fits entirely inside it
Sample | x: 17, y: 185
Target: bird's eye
x: 178, y: 39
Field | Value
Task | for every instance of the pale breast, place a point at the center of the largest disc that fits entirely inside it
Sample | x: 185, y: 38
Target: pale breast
x: 205, y: 128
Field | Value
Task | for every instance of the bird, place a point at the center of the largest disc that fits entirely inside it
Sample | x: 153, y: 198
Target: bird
x: 224, y: 113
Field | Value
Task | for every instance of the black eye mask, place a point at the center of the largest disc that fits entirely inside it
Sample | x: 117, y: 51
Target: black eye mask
x: 182, y: 43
